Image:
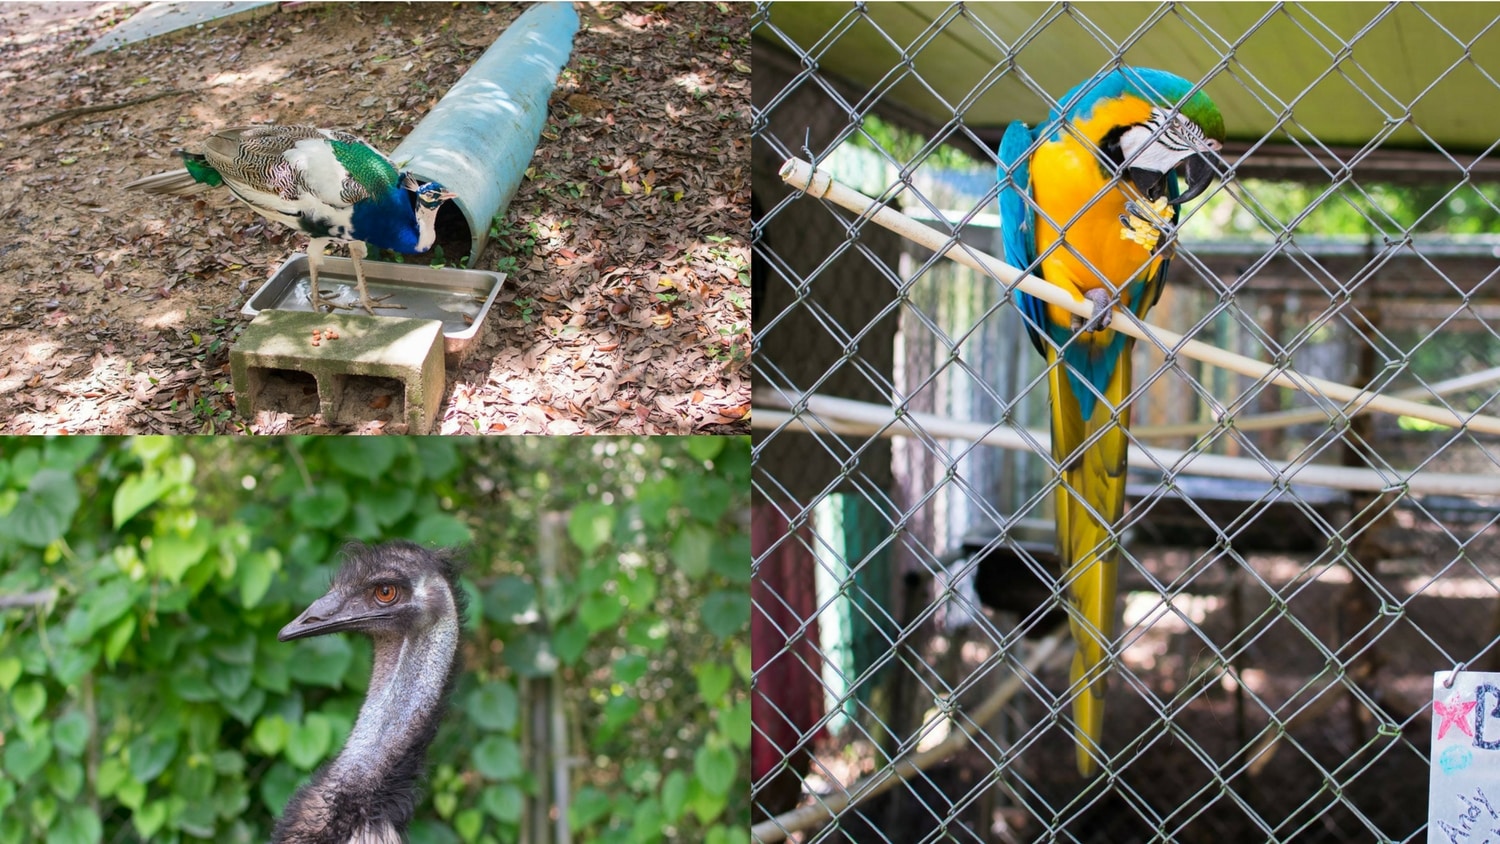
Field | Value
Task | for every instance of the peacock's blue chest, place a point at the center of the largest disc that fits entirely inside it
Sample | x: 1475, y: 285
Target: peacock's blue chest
x: 386, y: 222
x: 389, y: 223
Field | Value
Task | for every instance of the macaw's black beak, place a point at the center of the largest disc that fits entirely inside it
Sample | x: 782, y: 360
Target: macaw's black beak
x: 1199, y: 170
x: 1150, y: 183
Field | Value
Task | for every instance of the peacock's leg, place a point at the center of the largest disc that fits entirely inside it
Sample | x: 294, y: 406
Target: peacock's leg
x: 315, y: 249
x: 357, y: 251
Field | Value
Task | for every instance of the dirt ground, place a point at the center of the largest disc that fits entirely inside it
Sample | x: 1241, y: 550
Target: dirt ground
x: 627, y: 247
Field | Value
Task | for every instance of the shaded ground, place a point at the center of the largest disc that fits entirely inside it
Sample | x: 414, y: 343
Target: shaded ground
x: 627, y: 307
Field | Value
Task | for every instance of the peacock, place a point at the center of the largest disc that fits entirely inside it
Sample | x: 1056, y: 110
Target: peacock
x: 326, y: 182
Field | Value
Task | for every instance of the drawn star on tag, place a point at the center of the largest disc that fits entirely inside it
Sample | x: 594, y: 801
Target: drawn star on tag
x: 1455, y: 714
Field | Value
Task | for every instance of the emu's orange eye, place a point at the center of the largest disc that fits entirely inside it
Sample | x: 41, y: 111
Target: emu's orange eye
x: 385, y: 594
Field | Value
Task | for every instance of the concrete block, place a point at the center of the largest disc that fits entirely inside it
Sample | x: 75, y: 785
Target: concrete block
x: 275, y: 366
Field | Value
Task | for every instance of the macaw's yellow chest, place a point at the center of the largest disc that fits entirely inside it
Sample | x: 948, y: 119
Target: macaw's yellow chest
x: 1080, y: 206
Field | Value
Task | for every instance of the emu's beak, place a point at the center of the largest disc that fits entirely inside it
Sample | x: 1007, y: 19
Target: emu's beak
x: 326, y: 615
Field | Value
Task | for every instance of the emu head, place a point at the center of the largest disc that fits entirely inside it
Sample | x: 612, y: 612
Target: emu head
x: 395, y: 590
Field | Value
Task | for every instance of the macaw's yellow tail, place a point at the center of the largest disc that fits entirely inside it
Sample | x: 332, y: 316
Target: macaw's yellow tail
x: 1090, y: 501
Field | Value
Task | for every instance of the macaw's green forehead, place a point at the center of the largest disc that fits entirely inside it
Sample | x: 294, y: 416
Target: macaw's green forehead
x: 1158, y: 87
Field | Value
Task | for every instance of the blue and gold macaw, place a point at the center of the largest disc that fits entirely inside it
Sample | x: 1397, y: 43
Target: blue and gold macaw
x: 1094, y: 193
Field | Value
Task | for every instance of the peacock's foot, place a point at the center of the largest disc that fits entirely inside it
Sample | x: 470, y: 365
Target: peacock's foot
x: 368, y: 302
x: 1103, y: 308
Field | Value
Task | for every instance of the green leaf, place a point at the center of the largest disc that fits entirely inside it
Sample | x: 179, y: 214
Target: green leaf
x: 715, y: 768
x: 726, y: 612
x: 705, y: 805
x: 10, y: 672
x: 570, y: 640
x: 705, y: 448
x: 151, y: 753
x: 363, y: 457
x: 600, y: 611
x: 630, y: 667
x: 655, y: 500
x: 321, y: 507
x: 97, y: 609
x: 646, y: 823
x: 29, y: 700
x: 247, y: 706
x: 498, y: 758
x: 691, y: 548
x: 493, y: 706
x: 78, y: 825
x: 277, y: 785
x: 713, y: 681
x: 71, y: 732
x: 590, y: 525
x: 388, y: 506
x: 639, y: 589
x: 674, y: 791
x: 589, y: 805
x: 441, y: 529
x: 733, y: 558
x: 149, y: 819
x: 7, y: 795
x: 322, y: 661
x: 721, y: 834
x: 531, y: 655
x: 119, y: 638
x: 310, y: 742
x: 707, y: 497
x: 504, y: 802
x: 510, y: 599
x: 195, y: 688
x: 44, y: 510
x: 137, y: 492
x: 112, y: 774
x: 65, y: 778
x: 734, y: 723
x: 70, y: 664
x: 173, y: 554
x: 468, y: 823
x: 24, y: 758
x: 255, y: 575
x: 232, y: 681
x: 270, y: 734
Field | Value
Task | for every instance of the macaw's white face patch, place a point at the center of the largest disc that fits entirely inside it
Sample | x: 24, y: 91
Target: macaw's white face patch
x: 1163, y: 142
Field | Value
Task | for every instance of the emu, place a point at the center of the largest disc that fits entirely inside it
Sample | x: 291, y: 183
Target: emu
x: 407, y: 600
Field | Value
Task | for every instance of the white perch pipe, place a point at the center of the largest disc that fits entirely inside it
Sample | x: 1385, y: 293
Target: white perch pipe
x: 819, y: 183
x: 855, y: 418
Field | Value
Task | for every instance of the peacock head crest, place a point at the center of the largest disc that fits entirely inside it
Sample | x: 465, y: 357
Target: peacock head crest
x: 429, y: 194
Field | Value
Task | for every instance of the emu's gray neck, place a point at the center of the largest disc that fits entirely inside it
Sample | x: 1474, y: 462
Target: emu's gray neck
x: 400, y: 710
x: 367, y: 793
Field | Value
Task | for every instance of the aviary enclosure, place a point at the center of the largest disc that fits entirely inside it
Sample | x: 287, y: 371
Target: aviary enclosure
x: 1297, y: 557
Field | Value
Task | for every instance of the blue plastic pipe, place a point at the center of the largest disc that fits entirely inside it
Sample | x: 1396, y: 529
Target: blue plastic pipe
x: 480, y: 137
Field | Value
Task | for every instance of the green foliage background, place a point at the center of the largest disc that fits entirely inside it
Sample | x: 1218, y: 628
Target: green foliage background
x: 148, y: 699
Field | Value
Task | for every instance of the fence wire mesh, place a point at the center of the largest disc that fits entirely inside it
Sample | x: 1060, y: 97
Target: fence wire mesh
x: 1271, y: 675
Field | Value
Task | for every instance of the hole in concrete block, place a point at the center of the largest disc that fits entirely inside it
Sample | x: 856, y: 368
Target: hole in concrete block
x: 283, y: 390
x: 362, y: 398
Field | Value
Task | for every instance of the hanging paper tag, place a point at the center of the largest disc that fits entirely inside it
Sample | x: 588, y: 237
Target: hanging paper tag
x: 1463, y: 803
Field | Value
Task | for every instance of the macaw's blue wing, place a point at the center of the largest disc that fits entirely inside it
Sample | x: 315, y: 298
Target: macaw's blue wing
x: 1018, y: 223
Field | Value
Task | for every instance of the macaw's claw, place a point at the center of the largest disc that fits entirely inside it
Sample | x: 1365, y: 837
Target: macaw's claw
x: 1147, y: 225
x: 1103, y: 304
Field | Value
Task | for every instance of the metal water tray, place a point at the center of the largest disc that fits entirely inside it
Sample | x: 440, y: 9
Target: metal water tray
x: 459, y: 299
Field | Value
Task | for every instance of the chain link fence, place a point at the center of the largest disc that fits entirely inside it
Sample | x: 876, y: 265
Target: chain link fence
x: 1293, y: 569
